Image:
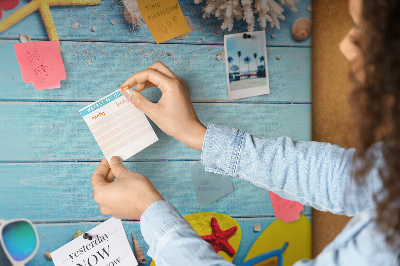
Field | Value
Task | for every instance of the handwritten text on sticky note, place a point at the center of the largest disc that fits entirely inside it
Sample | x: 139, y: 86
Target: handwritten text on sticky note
x: 287, y: 210
x: 209, y: 186
x: 41, y: 64
x: 164, y: 18
x: 108, y: 246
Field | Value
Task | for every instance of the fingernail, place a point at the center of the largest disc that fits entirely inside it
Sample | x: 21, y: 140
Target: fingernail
x: 127, y: 93
x: 124, y: 88
x: 115, y: 160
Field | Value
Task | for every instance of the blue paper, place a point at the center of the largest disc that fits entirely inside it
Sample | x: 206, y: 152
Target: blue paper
x: 209, y: 186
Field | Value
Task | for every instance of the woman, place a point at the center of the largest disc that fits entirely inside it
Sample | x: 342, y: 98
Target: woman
x: 363, y: 183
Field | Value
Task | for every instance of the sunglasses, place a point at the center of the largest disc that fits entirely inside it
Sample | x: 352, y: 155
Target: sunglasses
x: 19, y: 240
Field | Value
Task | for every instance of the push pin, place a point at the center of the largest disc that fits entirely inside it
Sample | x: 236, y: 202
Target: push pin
x: 88, y: 236
x: 246, y: 36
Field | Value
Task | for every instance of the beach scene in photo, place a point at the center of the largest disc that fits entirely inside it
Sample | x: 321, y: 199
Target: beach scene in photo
x: 246, y: 63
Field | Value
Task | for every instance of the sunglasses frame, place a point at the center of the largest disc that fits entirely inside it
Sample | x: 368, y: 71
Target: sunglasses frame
x: 3, y: 223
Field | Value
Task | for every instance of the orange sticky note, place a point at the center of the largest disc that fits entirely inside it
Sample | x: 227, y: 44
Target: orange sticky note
x: 41, y: 64
x: 164, y: 18
x: 287, y: 210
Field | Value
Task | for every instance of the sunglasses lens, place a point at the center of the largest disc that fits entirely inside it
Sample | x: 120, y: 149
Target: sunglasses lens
x: 19, y: 240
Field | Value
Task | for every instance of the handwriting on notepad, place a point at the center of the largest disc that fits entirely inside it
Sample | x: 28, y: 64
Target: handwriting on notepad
x: 41, y: 68
x: 41, y: 64
x: 164, y: 18
x: 118, y: 126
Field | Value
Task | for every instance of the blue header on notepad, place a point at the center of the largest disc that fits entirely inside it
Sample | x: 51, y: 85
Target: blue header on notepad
x: 100, y: 103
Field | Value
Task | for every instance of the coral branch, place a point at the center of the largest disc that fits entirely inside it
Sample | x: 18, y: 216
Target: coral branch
x: 267, y: 10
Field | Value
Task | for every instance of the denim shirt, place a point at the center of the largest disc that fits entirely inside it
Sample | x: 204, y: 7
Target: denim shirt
x: 312, y: 173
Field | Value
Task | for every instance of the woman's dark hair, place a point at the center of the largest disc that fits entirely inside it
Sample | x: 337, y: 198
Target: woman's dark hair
x: 375, y: 102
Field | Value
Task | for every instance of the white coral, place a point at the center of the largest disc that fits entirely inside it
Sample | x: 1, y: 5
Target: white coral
x: 132, y: 13
x: 228, y: 10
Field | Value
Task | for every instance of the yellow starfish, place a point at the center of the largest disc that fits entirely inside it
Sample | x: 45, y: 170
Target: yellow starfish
x: 44, y: 8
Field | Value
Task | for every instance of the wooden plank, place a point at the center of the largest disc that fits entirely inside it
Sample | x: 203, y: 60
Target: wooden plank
x: 112, y: 63
x: 56, y: 131
x: 63, y: 191
x: 52, y: 236
x: 101, y: 16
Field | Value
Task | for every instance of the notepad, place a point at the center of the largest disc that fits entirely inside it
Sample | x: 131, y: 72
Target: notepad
x: 118, y: 126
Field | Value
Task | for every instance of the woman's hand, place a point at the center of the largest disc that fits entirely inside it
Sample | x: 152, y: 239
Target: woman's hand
x: 174, y: 113
x: 126, y: 198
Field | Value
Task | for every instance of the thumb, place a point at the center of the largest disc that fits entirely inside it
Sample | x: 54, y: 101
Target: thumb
x: 138, y: 100
x: 117, y: 167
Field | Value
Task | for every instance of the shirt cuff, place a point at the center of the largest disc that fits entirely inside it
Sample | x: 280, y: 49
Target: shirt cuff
x: 158, y: 219
x: 222, y: 148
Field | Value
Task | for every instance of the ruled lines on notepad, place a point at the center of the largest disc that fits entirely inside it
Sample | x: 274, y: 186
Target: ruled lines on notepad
x: 120, y: 129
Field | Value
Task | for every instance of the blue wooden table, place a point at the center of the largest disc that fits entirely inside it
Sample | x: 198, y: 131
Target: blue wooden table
x: 48, y: 154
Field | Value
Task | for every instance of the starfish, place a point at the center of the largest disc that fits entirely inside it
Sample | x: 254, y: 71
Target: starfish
x: 44, y: 8
x: 219, y: 239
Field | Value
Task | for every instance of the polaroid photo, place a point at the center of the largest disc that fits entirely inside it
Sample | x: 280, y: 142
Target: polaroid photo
x: 246, y: 64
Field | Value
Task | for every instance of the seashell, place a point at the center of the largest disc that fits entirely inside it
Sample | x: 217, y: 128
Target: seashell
x: 47, y: 255
x: 301, y: 29
x: 75, y: 25
x: 113, y: 21
x: 141, y: 259
x: 78, y: 233
x: 24, y: 38
x: 257, y: 228
x: 94, y: 28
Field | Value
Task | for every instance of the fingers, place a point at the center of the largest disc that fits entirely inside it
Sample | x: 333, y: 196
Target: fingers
x: 142, y: 86
x: 117, y: 167
x: 160, y: 80
x: 140, y: 102
x: 160, y: 67
x: 100, y: 174
x: 110, y: 177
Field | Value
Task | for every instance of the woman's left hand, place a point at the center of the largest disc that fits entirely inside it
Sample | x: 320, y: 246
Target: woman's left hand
x: 126, y: 198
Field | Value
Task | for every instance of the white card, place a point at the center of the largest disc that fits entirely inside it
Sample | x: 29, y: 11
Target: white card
x: 118, y: 126
x: 109, y: 246
x: 246, y: 64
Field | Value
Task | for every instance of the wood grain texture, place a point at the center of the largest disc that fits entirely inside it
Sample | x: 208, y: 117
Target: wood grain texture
x: 331, y: 88
x: 48, y: 155
x: 54, y: 235
x: 112, y: 63
x: 102, y: 14
x: 54, y: 131
x: 63, y: 191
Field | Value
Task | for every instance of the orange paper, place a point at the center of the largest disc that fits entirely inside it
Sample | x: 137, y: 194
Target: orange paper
x: 164, y: 18
x: 287, y: 210
x: 41, y: 64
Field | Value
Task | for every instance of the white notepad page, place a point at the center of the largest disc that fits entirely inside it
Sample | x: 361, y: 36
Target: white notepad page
x: 118, y: 126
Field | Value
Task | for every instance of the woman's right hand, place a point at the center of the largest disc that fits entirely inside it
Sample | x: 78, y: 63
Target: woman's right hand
x: 173, y: 113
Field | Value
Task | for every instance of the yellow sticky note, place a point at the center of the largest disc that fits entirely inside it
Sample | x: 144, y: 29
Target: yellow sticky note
x: 164, y: 18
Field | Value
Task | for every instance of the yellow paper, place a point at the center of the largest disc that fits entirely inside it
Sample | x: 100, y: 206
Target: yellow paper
x: 164, y: 18
x: 297, y: 234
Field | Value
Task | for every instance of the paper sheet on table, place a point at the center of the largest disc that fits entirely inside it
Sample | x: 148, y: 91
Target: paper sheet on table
x: 164, y: 18
x: 41, y: 64
x: 209, y: 186
x: 109, y: 246
x: 287, y: 210
x: 118, y: 126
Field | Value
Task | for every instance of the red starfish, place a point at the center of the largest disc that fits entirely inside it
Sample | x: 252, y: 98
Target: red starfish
x: 219, y: 239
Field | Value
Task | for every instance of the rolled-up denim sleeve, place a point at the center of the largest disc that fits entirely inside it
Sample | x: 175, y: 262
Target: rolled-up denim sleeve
x: 171, y: 239
x: 313, y: 173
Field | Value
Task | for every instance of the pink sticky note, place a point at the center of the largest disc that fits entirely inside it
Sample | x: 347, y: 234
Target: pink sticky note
x: 41, y: 64
x: 287, y: 210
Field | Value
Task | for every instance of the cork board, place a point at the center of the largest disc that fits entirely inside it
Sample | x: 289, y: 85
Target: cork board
x: 331, y: 88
